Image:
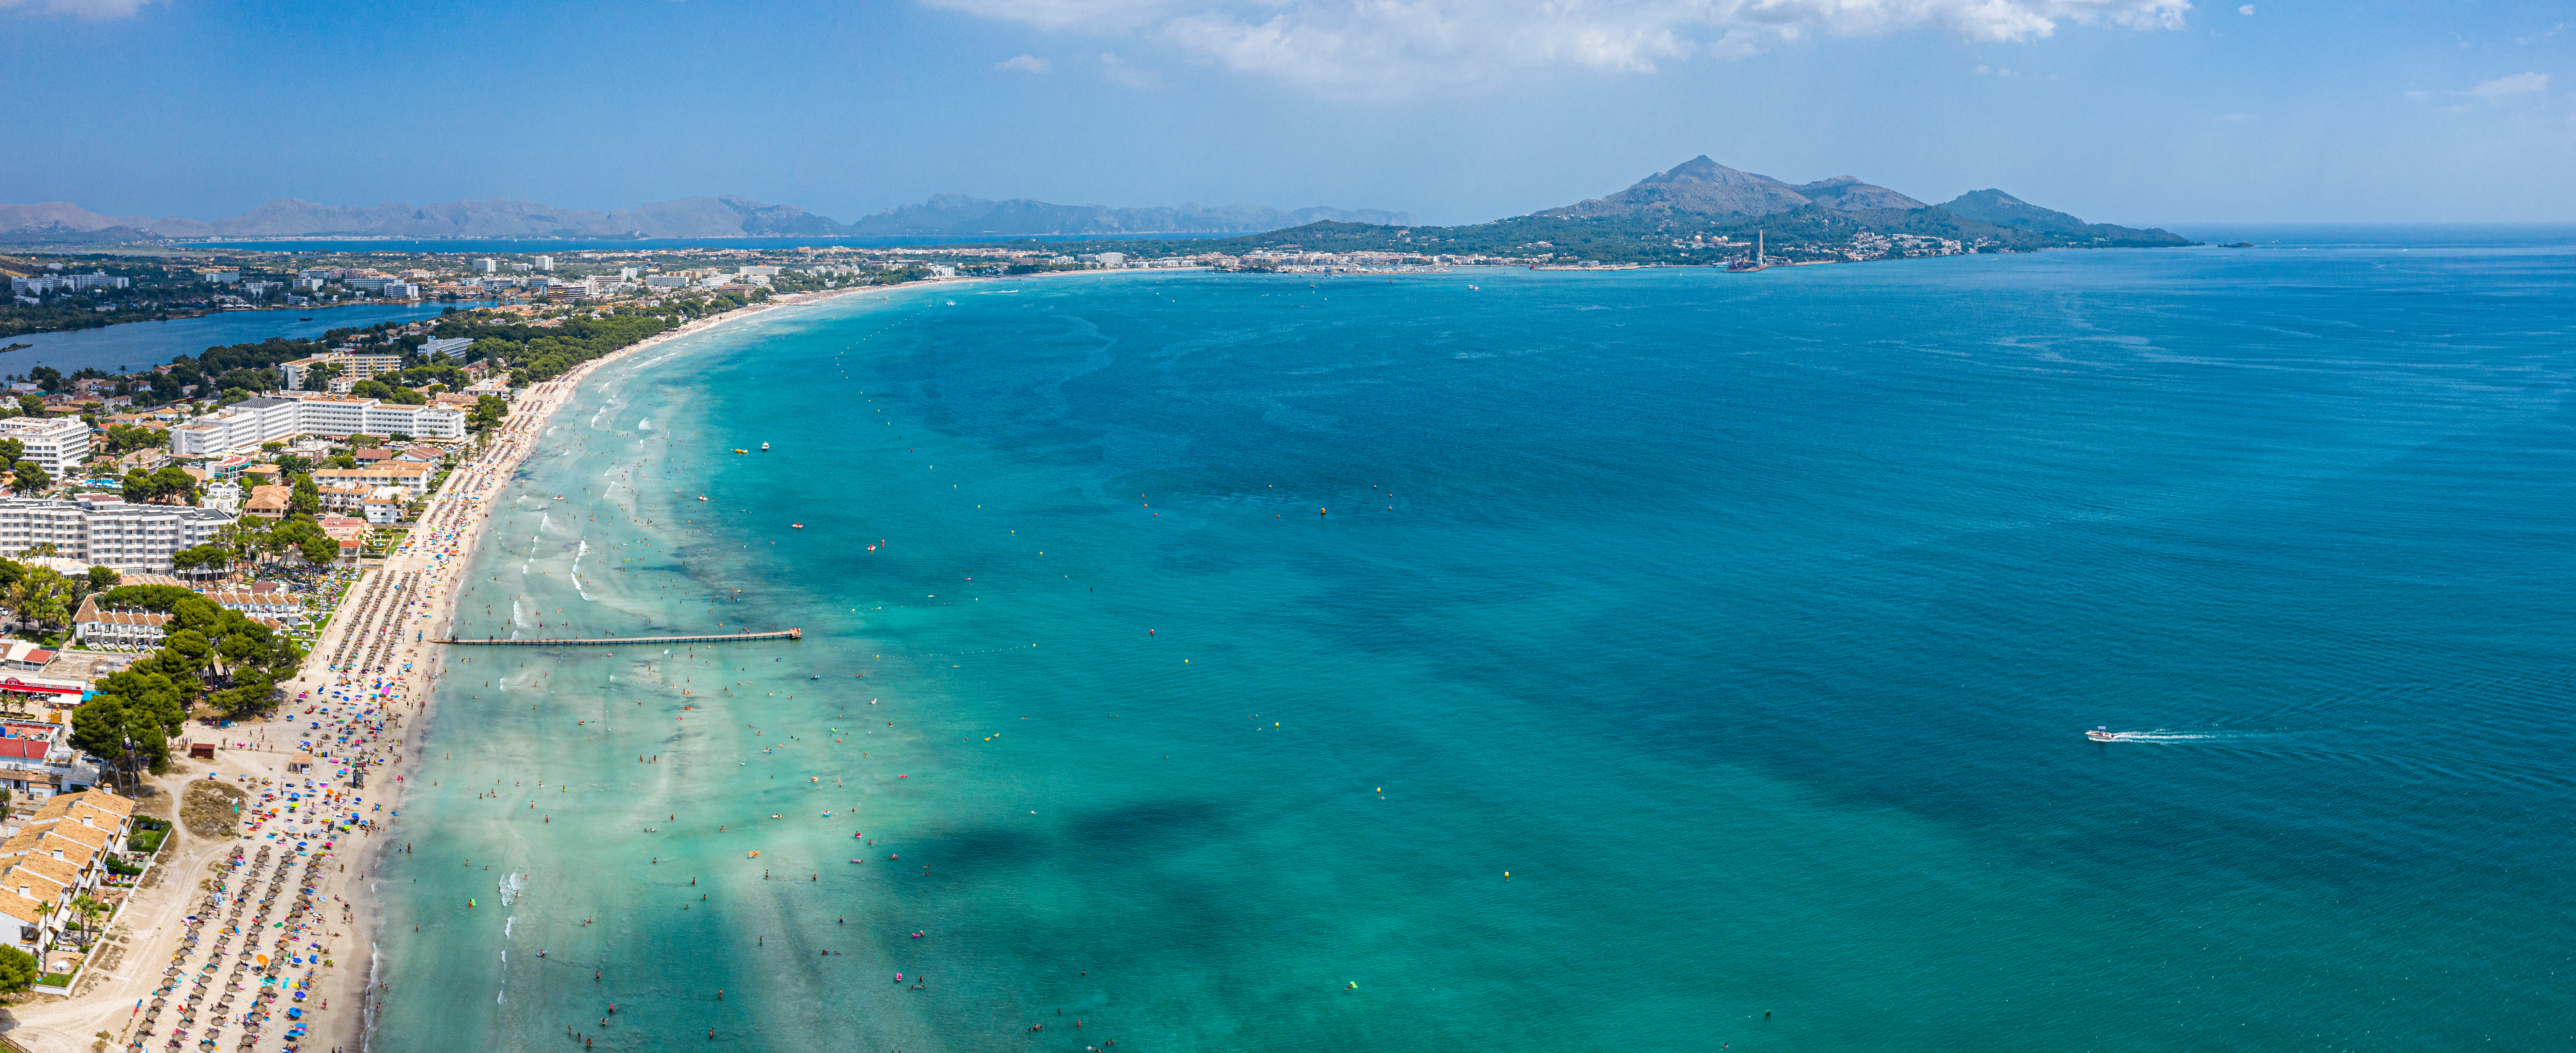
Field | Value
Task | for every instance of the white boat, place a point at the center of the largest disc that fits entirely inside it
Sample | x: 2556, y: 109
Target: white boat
x: 764, y: 447
x: 2101, y: 734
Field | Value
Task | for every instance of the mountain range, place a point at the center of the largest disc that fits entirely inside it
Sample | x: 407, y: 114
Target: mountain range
x: 725, y: 216
x: 1669, y: 216
x: 1704, y: 188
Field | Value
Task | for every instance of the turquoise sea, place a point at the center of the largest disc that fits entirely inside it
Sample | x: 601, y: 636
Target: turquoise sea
x: 1748, y: 623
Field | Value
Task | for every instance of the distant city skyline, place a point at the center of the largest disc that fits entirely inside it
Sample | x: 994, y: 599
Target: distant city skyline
x: 2143, y: 112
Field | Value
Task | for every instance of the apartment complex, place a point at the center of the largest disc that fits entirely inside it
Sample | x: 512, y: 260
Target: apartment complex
x: 58, y: 856
x: 346, y: 368
x: 54, y: 443
x: 104, y: 531
x: 413, y: 478
x: 269, y: 419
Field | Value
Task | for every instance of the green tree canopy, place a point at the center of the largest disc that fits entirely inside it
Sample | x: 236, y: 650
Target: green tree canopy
x: 159, y: 599
x: 17, y: 969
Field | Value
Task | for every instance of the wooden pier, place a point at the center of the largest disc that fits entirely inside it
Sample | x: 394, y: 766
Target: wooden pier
x: 625, y: 641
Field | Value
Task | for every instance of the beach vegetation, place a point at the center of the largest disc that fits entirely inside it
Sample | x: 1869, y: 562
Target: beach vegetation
x: 488, y: 411
x: 158, y: 599
x: 129, y: 720
x: 17, y: 969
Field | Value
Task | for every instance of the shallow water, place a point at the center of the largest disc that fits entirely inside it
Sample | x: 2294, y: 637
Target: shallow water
x: 1748, y: 622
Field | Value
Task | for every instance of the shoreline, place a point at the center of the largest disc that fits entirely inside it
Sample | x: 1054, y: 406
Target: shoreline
x: 446, y: 538
x: 462, y: 511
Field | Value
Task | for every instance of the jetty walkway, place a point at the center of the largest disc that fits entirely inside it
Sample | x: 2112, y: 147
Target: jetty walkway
x: 623, y: 641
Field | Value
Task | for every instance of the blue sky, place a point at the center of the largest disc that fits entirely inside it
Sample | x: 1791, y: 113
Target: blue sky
x: 2150, y: 112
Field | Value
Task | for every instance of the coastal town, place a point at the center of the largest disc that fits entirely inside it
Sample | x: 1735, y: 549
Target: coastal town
x: 209, y: 568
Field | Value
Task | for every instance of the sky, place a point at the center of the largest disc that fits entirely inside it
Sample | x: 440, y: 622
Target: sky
x: 2141, y: 112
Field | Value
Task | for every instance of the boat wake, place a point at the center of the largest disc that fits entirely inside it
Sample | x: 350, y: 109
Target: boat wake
x: 2179, y: 736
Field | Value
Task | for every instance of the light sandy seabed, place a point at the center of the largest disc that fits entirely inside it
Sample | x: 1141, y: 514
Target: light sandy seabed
x: 374, y: 616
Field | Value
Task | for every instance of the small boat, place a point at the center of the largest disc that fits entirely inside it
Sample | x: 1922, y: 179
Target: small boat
x: 741, y: 451
x: 702, y: 497
x: 799, y: 526
x: 304, y: 319
x: 2101, y: 734
x: 764, y: 447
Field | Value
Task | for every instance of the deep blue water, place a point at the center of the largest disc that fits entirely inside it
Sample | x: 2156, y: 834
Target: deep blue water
x: 1749, y: 622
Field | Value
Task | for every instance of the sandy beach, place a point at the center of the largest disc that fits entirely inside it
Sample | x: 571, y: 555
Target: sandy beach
x: 362, y: 697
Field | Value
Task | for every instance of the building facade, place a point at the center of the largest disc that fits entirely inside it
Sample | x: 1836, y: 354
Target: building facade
x: 270, y: 419
x: 54, y: 443
x: 102, y: 531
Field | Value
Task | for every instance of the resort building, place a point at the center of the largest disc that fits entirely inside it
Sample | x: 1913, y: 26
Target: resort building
x: 251, y: 422
x: 346, y: 369
x: 271, y: 604
x: 98, y: 627
x: 54, y: 443
x: 413, y: 478
x: 59, y: 855
x: 384, y: 504
x: 102, y: 530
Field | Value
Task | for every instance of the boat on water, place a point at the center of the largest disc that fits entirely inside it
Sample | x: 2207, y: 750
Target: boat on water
x: 702, y: 497
x: 304, y: 319
x: 799, y: 526
x: 764, y: 447
x: 2101, y: 734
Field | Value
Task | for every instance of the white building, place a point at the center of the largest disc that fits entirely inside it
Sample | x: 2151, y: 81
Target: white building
x: 486, y: 265
x: 267, y: 419
x: 100, y: 530
x: 55, y: 443
x: 385, y: 504
x: 412, y: 478
x: 545, y: 263
x: 225, y: 496
x: 664, y: 281
x: 44, y: 283
x: 453, y: 345
x: 347, y: 369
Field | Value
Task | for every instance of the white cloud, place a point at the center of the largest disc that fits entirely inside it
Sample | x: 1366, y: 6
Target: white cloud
x: 2247, y: 10
x: 1024, y: 64
x: 1380, y: 46
x: 2517, y: 86
x: 94, y: 9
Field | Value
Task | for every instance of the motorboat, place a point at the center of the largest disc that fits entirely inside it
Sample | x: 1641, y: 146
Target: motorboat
x: 764, y: 447
x: 2101, y: 734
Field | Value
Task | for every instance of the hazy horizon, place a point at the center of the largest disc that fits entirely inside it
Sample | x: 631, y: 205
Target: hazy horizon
x: 2138, y: 112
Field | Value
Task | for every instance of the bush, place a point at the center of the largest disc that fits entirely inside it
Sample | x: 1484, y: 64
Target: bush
x: 17, y: 969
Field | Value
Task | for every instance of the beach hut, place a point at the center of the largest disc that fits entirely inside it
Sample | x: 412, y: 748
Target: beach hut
x: 300, y: 763
x: 201, y: 751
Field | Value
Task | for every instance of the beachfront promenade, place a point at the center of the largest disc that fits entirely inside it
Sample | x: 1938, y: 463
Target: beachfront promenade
x: 619, y: 641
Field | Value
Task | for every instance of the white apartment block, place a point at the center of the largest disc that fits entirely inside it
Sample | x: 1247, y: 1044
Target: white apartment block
x: 55, y: 443
x: 350, y: 368
x: 103, y: 531
x: 266, y: 419
x: 454, y: 346
x: 413, y: 478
